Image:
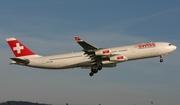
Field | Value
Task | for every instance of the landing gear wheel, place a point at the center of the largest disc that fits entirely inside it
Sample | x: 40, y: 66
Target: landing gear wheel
x: 95, y: 71
x: 161, y: 60
x: 99, y: 68
x: 91, y: 74
x: 94, y: 67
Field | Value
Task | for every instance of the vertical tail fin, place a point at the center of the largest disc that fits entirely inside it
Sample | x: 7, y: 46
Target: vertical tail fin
x: 18, y: 48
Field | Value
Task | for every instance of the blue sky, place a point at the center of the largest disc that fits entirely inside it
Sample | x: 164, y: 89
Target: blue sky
x: 48, y: 27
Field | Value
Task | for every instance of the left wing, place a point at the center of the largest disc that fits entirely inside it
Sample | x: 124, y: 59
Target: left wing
x: 86, y: 46
x: 94, y: 53
x: 99, y: 57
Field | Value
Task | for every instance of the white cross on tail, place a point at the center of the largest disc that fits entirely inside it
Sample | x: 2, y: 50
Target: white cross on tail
x: 18, y: 48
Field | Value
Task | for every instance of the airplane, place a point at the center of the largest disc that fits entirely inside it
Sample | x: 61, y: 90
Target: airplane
x: 91, y: 57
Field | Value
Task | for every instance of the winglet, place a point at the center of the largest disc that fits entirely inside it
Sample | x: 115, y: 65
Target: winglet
x: 78, y: 39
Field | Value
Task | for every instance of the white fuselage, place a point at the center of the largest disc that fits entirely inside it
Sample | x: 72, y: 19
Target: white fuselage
x: 80, y: 59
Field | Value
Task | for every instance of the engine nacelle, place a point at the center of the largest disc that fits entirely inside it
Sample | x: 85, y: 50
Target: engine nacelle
x: 103, y: 52
x: 118, y: 58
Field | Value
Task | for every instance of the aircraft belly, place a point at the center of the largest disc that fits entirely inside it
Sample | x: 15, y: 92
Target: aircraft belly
x: 72, y: 62
x: 58, y: 62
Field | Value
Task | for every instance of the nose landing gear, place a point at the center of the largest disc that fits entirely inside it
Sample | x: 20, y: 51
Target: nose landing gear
x: 91, y: 74
x: 161, y: 60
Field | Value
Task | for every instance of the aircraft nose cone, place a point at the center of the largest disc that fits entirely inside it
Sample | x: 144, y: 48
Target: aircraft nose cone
x: 175, y: 47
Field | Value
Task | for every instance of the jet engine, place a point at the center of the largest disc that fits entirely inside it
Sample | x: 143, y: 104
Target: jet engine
x: 103, y: 52
x: 118, y: 58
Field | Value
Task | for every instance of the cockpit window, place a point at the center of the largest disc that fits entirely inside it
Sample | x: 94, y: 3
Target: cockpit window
x: 170, y: 44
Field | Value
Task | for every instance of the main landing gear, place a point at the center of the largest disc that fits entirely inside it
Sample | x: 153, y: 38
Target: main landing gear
x: 161, y: 60
x: 95, y: 69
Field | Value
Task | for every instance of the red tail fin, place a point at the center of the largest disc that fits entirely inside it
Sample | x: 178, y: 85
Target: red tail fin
x: 18, y: 48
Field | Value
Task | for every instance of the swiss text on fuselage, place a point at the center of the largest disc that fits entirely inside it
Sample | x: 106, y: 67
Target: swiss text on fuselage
x: 146, y: 45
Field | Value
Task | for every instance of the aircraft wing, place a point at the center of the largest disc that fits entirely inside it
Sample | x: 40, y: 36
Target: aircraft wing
x: 90, y: 51
x: 86, y: 46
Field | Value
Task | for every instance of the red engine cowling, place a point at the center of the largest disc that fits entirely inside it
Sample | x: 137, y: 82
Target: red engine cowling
x: 103, y: 52
x: 118, y: 58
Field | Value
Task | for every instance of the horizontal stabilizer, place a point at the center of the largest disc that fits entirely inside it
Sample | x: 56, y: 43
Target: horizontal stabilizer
x: 20, y: 61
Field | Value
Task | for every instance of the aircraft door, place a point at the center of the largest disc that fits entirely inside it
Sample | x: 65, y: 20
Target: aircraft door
x: 161, y: 48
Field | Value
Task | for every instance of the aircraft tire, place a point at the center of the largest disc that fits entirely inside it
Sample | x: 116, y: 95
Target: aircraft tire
x: 91, y: 74
x: 161, y: 60
x: 100, y: 68
x: 95, y: 71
